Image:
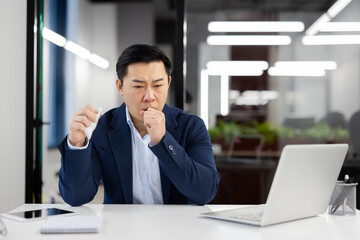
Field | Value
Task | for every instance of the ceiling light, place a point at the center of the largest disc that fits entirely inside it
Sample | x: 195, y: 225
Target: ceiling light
x: 235, y: 72
x: 337, y: 7
x: 265, y: 40
x: 326, y: 65
x: 233, y: 94
x: 250, y: 101
x: 258, y: 26
x: 266, y: 94
x: 339, y: 27
x: 277, y: 71
x: 334, y: 10
x: 228, y: 65
x: 314, y: 28
x: 76, y: 49
x: 252, y: 97
x: 331, y: 39
x: 99, y: 61
x: 237, y: 68
x: 53, y: 37
x: 224, y: 95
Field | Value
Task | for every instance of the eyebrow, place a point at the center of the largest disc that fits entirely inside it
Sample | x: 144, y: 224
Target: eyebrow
x: 142, y: 81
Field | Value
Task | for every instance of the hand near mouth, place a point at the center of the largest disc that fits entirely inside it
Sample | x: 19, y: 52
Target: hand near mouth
x: 154, y: 121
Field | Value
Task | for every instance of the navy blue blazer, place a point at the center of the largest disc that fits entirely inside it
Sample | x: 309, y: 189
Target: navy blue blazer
x: 187, y: 168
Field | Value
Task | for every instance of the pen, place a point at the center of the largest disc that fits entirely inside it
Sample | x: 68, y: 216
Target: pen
x: 3, y: 230
x: 343, y: 194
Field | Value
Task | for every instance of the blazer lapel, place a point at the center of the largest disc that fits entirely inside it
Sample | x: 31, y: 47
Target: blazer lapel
x: 171, y: 123
x: 171, y: 127
x: 120, y: 141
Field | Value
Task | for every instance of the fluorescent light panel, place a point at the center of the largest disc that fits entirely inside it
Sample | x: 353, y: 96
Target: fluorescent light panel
x: 326, y: 65
x: 236, y: 68
x: 224, y: 95
x: 340, y: 27
x: 337, y: 7
x: 74, y: 48
x: 77, y: 50
x: 266, y: 94
x: 250, y: 101
x: 254, y: 97
x: 332, y: 12
x: 258, y: 26
x: 53, y: 37
x: 314, y: 28
x: 296, y: 72
x: 228, y: 65
x: 264, y: 40
x: 99, y: 61
x: 235, y: 72
x: 331, y: 40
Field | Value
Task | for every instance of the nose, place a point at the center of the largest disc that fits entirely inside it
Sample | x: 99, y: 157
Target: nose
x: 149, y: 95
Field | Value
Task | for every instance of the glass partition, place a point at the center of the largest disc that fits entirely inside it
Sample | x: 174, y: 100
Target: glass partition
x: 264, y: 74
x: 283, y: 70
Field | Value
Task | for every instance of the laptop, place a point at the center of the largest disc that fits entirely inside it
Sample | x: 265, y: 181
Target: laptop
x: 302, y: 186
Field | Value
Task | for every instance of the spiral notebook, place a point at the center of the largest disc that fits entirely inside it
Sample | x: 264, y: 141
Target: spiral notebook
x: 75, y: 224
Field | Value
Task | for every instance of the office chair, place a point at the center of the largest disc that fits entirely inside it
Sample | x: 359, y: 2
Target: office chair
x: 354, y: 132
x: 299, y: 122
x: 335, y: 119
x: 253, y: 143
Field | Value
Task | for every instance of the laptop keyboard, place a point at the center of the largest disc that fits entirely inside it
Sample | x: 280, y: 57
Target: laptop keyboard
x: 250, y: 214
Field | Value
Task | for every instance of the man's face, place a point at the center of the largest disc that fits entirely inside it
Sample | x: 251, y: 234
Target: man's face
x: 145, y: 85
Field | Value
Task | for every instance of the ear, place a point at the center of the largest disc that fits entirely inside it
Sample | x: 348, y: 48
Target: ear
x: 119, y: 86
x: 169, y: 80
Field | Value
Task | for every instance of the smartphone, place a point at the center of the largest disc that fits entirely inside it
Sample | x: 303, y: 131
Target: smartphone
x: 38, y: 214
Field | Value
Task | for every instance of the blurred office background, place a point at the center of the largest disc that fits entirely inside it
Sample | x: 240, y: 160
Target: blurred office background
x: 257, y: 87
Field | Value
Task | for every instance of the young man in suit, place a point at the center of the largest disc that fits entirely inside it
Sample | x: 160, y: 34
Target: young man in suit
x: 144, y: 152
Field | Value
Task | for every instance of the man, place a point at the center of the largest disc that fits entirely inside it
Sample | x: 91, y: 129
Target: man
x: 143, y: 151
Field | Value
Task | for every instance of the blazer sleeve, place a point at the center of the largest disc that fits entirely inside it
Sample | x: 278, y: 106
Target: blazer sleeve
x: 191, y: 167
x: 79, y: 175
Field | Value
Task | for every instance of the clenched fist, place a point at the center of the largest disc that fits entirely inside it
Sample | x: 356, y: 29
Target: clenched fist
x: 154, y: 121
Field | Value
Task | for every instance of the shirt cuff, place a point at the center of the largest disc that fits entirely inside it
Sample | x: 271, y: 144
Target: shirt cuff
x: 77, y: 148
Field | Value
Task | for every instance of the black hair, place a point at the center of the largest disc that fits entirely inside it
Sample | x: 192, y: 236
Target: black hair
x: 140, y: 53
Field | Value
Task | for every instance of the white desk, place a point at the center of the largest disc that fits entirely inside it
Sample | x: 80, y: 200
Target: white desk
x: 183, y: 222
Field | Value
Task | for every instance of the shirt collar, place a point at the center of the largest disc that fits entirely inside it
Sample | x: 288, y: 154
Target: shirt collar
x: 146, y: 138
x: 128, y: 119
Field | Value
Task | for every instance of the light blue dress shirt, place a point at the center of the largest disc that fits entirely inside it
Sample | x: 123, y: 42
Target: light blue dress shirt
x: 146, y: 172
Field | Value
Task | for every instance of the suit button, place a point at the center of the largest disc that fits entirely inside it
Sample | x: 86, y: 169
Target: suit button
x: 173, y: 152
x: 171, y: 147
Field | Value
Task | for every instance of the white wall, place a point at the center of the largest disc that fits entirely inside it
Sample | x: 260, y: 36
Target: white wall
x: 12, y: 103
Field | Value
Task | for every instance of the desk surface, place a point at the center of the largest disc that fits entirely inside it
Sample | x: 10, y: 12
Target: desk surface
x: 183, y: 222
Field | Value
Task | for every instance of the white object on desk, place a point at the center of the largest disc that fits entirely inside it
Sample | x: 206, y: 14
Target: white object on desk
x: 37, y: 214
x: 76, y: 224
